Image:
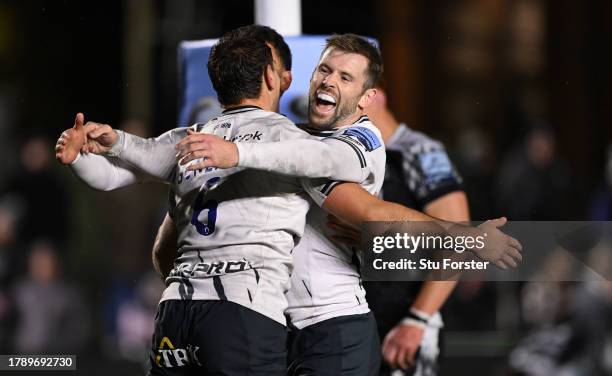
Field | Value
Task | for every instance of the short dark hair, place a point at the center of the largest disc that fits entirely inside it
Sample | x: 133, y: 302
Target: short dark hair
x: 268, y: 35
x: 236, y: 66
x: 355, y: 44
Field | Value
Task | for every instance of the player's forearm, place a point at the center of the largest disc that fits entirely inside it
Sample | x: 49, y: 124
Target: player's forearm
x: 355, y: 205
x: 104, y: 174
x: 164, y: 248
x: 392, y: 212
x: 448, y: 220
x: 155, y: 157
x: 389, y: 211
x: 310, y: 158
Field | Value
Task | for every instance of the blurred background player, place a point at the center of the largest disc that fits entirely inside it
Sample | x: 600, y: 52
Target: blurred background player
x: 53, y: 315
x: 419, y: 175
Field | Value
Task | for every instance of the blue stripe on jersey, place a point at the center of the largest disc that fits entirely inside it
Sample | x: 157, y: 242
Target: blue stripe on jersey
x: 365, y: 136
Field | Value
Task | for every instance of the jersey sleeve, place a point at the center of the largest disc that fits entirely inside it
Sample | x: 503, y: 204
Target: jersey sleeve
x: 339, y: 157
x: 319, y: 189
x: 154, y: 156
x: 105, y: 173
x: 429, y: 173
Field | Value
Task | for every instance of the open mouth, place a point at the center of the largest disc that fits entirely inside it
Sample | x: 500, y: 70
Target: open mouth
x: 325, y: 102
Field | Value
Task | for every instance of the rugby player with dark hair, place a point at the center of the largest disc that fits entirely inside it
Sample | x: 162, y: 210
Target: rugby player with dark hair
x: 333, y: 331
x: 351, y: 150
x: 164, y: 248
x: 223, y: 309
x: 234, y: 234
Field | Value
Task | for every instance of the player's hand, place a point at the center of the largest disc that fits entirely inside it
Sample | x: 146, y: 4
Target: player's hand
x: 100, y: 137
x: 214, y: 151
x: 401, y: 344
x: 501, y: 249
x: 343, y: 232
x: 71, y: 141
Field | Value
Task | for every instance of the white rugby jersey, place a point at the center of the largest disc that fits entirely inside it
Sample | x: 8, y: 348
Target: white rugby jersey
x: 325, y: 282
x: 236, y: 227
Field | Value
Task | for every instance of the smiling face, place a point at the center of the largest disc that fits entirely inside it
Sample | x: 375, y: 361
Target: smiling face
x: 337, y: 93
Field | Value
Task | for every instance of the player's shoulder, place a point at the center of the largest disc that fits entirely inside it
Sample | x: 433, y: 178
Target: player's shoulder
x: 427, y: 158
x: 365, y: 132
x: 414, y: 142
x: 175, y: 134
x: 289, y: 130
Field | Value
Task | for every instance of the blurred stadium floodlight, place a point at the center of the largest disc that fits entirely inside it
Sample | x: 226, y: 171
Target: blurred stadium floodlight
x: 284, y: 16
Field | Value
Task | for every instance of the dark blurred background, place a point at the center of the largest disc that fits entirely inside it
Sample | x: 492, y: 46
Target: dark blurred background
x: 518, y: 90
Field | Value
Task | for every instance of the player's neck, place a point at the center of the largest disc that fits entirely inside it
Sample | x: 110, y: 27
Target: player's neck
x: 386, y: 123
x: 349, y: 120
x: 264, y: 103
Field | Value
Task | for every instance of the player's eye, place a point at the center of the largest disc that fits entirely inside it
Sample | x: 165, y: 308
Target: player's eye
x: 346, y: 78
x: 323, y: 69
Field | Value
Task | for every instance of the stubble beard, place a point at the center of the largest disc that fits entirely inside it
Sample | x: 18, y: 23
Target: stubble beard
x: 343, y: 110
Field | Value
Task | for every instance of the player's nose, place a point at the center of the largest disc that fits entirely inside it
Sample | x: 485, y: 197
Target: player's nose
x: 328, y: 81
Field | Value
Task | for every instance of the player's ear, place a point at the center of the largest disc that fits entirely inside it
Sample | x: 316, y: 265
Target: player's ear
x: 367, y: 98
x: 381, y: 97
x: 286, y: 81
x: 269, y: 77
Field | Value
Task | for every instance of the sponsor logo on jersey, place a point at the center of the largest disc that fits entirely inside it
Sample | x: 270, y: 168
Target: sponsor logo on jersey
x: 247, y: 137
x: 185, y: 175
x: 169, y: 356
x: 204, y: 269
x: 365, y: 136
x: 225, y: 125
x: 435, y: 166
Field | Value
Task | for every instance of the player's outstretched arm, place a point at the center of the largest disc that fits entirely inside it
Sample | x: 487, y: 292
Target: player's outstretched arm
x: 355, y: 205
x: 328, y: 158
x: 96, y: 171
x: 164, y: 249
x: 154, y: 156
x: 105, y: 174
